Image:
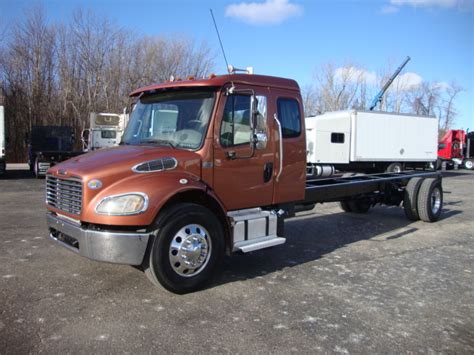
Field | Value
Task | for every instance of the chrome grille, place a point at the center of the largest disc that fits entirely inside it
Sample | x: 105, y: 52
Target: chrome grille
x: 64, y: 194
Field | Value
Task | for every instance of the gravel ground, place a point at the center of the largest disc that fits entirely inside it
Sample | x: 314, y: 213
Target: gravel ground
x: 374, y: 283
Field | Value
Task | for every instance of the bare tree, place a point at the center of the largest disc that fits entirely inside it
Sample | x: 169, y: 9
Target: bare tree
x: 59, y: 73
x: 337, y: 89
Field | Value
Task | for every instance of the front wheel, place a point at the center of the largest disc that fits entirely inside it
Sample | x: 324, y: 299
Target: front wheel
x: 187, y: 247
x: 36, y: 168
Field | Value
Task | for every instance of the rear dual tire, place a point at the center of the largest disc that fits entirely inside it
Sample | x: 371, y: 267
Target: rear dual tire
x: 423, y: 199
x: 430, y: 200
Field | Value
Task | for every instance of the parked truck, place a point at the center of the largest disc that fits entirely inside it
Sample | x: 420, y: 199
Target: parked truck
x: 369, y: 141
x: 208, y: 167
x: 49, y: 145
x: 3, y: 161
x: 105, y: 130
x: 456, y: 149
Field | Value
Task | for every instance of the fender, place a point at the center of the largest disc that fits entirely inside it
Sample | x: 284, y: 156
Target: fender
x: 159, y: 187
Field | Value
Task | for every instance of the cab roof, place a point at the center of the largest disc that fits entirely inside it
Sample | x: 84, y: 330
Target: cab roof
x: 221, y: 80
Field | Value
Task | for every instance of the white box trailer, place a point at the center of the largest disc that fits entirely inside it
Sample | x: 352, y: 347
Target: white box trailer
x: 370, y: 141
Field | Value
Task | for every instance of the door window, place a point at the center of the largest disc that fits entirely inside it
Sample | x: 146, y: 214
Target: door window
x: 236, y: 125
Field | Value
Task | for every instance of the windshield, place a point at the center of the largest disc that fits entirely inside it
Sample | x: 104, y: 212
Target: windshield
x: 177, y: 119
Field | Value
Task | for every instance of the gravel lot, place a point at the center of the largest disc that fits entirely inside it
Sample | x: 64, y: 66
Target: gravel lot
x: 372, y: 283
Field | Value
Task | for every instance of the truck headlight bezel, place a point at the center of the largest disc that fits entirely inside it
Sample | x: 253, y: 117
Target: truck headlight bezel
x: 103, y: 207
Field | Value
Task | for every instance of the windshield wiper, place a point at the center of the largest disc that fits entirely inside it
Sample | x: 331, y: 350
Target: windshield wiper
x: 157, y: 141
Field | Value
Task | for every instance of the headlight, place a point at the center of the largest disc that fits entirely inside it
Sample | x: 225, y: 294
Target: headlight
x: 122, y: 205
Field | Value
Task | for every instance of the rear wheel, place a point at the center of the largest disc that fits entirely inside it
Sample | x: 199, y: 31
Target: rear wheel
x: 394, y: 168
x: 430, y: 200
x: 410, y: 199
x: 187, y: 247
x: 359, y: 206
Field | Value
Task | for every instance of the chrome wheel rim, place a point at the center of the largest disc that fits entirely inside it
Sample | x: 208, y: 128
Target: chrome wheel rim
x: 190, y: 250
x: 468, y: 164
x: 397, y: 169
x: 435, y: 200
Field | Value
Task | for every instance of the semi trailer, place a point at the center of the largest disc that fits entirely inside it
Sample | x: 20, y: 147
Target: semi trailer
x: 456, y: 149
x: 369, y: 141
x: 206, y: 168
x: 49, y: 145
x: 105, y: 130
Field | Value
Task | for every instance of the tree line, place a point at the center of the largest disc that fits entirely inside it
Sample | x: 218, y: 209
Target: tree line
x: 58, y: 73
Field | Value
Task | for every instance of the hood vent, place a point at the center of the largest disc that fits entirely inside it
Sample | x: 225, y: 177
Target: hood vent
x: 151, y: 166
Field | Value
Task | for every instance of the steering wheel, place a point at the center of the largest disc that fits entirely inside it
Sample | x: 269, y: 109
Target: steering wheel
x: 187, y: 136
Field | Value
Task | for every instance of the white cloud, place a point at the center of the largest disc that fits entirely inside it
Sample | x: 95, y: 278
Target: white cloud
x: 402, y: 82
x: 442, y: 3
x: 390, y: 9
x: 394, y: 6
x: 426, y: 3
x: 354, y: 74
x: 406, y: 81
x: 442, y: 85
x: 270, y: 12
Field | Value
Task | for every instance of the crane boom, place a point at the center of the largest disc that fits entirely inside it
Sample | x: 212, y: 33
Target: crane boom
x: 379, y: 96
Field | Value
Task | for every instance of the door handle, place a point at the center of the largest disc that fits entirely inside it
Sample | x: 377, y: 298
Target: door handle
x: 267, y: 172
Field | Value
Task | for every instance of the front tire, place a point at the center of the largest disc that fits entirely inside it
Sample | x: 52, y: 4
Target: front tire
x: 468, y: 164
x: 187, y: 247
x: 36, y: 168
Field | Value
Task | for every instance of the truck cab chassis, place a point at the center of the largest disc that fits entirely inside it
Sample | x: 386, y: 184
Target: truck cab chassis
x: 208, y: 167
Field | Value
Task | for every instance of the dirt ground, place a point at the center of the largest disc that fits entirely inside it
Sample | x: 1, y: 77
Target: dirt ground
x: 373, y: 283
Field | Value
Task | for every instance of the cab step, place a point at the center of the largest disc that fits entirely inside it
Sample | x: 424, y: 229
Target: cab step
x: 247, y: 246
x: 254, y: 229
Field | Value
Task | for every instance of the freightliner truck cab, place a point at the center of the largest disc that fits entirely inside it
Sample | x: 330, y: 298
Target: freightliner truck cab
x: 204, y: 167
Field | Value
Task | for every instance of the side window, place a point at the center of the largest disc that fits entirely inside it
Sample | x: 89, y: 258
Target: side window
x: 290, y: 117
x: 337, y: 137
x: 235, y: 128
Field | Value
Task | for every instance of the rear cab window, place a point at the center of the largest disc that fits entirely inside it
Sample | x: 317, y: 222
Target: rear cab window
x: 290, y: 117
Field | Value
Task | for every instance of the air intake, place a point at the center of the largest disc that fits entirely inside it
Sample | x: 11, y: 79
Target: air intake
x: 156, y: 165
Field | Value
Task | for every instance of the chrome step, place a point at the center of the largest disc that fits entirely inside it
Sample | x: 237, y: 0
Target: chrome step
x: 247, y: 246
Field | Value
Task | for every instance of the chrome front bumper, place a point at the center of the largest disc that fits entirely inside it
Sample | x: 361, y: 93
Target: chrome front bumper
x: 113, y: 247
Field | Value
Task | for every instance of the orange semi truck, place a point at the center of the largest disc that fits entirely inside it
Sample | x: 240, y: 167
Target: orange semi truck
x: 208, y: 167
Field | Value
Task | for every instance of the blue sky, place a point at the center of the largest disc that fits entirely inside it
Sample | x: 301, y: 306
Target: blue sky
x: 292, y: 38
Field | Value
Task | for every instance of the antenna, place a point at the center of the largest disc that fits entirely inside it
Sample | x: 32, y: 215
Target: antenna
x: 218, y: 36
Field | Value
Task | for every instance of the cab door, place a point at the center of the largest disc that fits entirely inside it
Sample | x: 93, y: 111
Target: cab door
x: 243, y: 173
x: 286, y: 109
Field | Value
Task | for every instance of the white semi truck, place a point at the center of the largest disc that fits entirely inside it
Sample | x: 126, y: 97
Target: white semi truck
x: 369, y: 142
x: 106, y: 130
